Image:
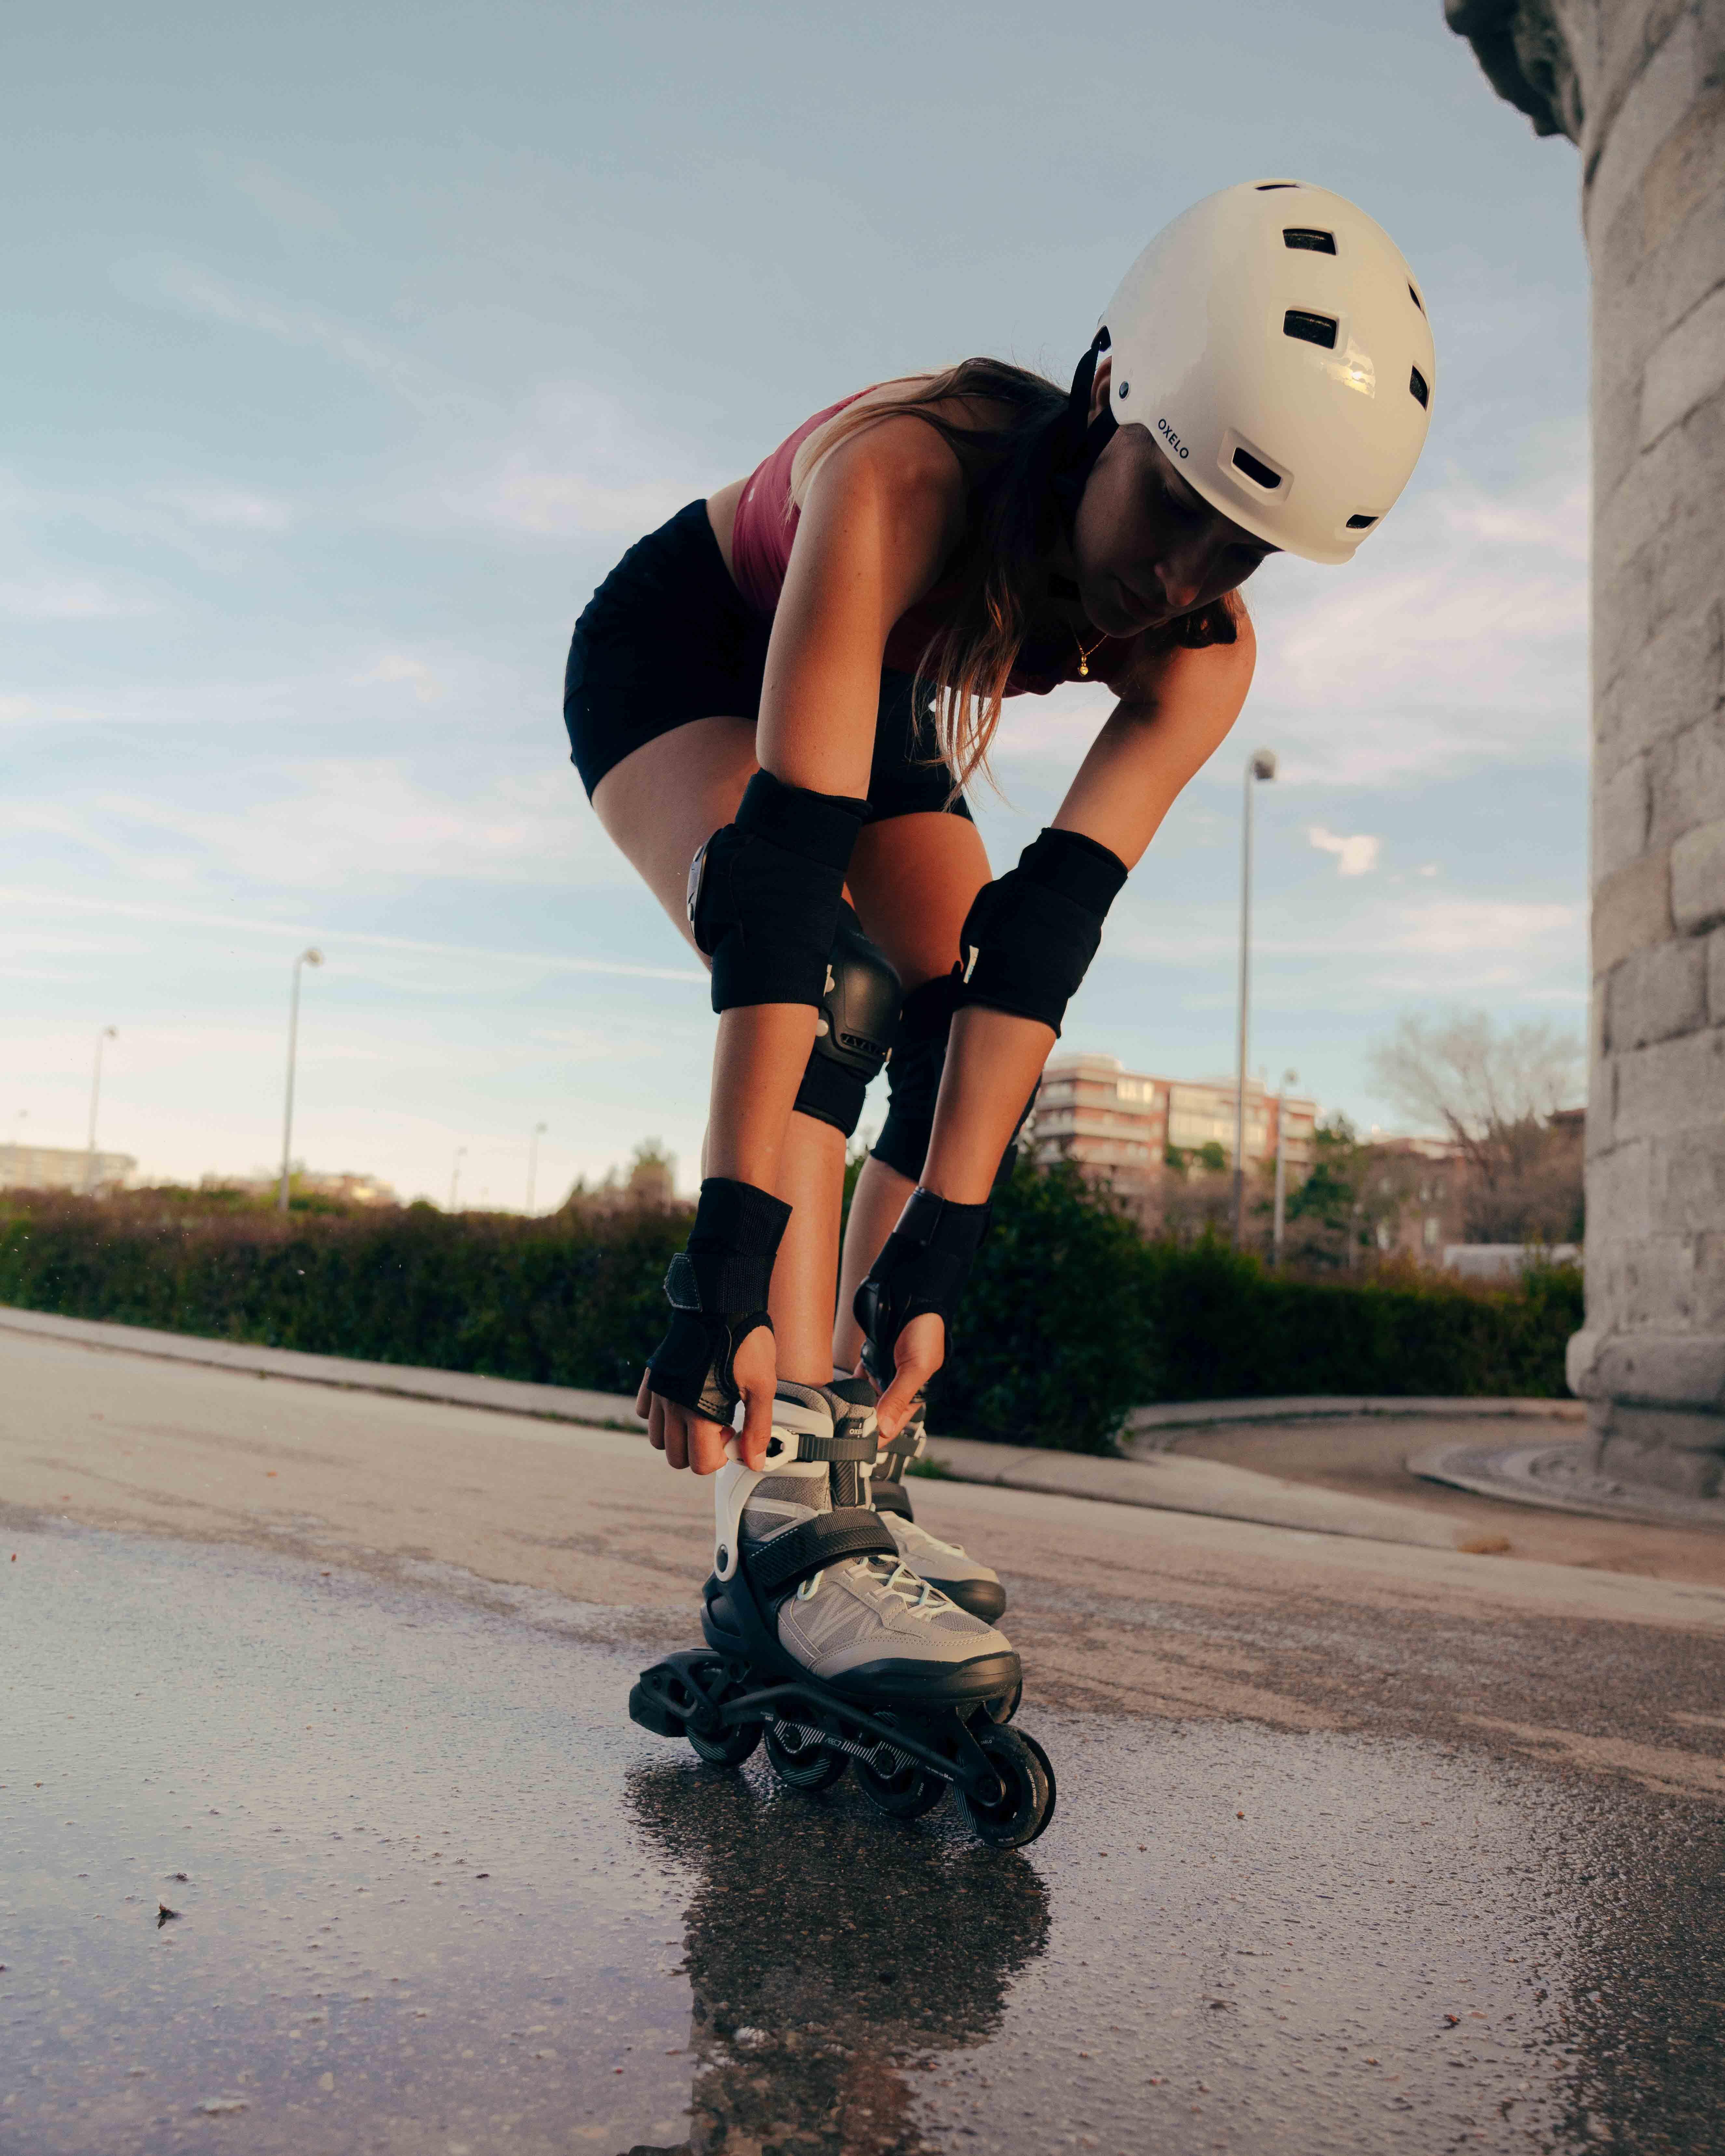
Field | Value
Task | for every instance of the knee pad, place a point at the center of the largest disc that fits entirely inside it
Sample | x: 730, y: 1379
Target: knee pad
x: 854, y: 1033
x: 1029, y: 938
x: 913, y: 1078
x: 764, y: 893
x: 919, y: 1056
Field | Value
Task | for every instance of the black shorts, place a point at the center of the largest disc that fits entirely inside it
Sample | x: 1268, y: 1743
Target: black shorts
x: 667, y: 638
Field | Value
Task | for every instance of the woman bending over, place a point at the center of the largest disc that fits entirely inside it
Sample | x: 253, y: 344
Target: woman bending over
x: 775, y: 701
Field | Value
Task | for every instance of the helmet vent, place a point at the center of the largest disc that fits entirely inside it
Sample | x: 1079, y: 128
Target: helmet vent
x: 1314, y: 329
x: 1313, y: 243
x: 1260, y: 474
x: 1417, y: 383
x: 1361, y: 523
x: 1416, y: 298
x: 1269, y: 186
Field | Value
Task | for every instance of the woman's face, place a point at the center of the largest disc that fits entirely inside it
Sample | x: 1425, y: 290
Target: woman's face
x: 1146, y: 545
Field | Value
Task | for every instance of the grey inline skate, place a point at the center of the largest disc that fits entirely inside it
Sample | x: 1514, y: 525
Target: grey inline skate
x: 820, y: 1639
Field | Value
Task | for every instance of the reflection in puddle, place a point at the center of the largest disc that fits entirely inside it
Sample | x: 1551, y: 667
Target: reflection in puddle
x: 825, y: 1951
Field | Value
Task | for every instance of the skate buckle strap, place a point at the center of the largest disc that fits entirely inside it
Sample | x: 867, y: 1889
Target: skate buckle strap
x: 859, y: 1444
x: 829, y: 1538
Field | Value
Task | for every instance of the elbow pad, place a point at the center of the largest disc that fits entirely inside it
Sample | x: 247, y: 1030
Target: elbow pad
x: 1029, y: 937
x: 764, y: 893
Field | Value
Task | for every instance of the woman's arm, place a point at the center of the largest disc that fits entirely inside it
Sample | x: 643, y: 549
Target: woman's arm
x: 1151, y: 745
x: 879, y: 518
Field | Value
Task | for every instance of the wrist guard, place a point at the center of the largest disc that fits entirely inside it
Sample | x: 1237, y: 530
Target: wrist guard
x: 717, y: 1287
x: 923, y: 1265
x: 1029, y: 938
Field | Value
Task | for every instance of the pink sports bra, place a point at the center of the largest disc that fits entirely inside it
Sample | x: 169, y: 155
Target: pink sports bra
x: 761, y: 540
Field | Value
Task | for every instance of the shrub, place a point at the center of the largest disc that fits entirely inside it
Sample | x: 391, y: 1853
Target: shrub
x: 1072, y: 1317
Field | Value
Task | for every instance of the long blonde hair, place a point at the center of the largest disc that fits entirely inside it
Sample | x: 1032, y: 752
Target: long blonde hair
x: 1012, y: 523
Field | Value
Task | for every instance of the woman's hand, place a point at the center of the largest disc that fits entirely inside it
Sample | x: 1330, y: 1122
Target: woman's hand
x: 917, y: 1353
x: 688, y: 1439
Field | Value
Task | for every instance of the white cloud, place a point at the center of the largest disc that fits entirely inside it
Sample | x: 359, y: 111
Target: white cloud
x: 66, y: 599
x: 426, y: 686
x: 1355, y: 856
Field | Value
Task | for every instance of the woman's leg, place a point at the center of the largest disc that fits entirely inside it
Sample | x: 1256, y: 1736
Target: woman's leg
x: 659, y: 805
x: 913, y: 879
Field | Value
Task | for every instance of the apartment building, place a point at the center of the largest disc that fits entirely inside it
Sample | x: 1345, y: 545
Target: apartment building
x: 1121, y: 1127
x: 62, y: 1168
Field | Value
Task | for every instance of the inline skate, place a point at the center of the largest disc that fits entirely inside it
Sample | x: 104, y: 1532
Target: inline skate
x: 825, y: 1647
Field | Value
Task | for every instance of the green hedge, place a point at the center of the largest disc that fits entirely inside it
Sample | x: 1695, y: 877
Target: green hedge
x: 1072, y: 1318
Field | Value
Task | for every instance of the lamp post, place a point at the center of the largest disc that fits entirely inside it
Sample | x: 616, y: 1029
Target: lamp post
x: 1288, y: 1078
x: 107, y: 1032
x: 539, y: 1130
x: 1260, y: 764
x: 305, y: 958
x: 455, y: 1175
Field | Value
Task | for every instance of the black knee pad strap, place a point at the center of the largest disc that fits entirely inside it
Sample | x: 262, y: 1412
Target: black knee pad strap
x: 1029, y: 938
x: 854, y: 1036
x: 764, y: 893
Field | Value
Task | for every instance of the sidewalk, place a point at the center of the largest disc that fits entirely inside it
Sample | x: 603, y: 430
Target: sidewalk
x: 1164, y: 1482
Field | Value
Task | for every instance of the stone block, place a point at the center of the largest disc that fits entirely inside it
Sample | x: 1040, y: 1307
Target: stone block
x: 1666, y: 1369
x: 1685, y: 368
x: 1676, y: 679
x: 1685, y: 169
x: 1686, y: 780
x: 1619, y: 1194
x: 1614, y: 434
x: 1632, y: 910
x: 1669, y: 495
x: 1698, y: 877
x: 1672, y: 1087
x: 1716, y: 976
x: 1652, y: 107
x: 1620, y: 806
x: 1663, y: 1283
x: 1601, y: 1103
x: 1686, y: 1185
x: 1684, y: 1454
x: 1638, y: 295
x: 1624, y: 619
x: 1656, y: 994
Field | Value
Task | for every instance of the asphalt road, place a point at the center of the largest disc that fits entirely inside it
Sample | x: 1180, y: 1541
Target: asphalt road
x: 1358, y: 1848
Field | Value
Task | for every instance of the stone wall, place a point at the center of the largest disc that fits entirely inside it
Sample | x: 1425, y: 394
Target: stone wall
x: 1639, y: 86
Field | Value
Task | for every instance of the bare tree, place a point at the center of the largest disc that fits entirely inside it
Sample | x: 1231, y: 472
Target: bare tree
x: 1494, y: 1092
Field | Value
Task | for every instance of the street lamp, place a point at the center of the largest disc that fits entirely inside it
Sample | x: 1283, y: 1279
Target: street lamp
x: 107, y: 1032
x: 455, y: 1175
x: 1260, y: 764
x: 1288, y: 1078
x: 539, y: 1130
x: 305, y: 958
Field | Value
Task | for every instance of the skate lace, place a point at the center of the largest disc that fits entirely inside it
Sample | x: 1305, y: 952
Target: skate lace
x: 896, y: 1578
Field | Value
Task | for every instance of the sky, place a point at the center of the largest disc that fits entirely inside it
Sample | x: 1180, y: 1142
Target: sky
x: 345, y: 350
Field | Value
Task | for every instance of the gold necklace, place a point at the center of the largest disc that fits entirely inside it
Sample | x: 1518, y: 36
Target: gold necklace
x: 1084, y: 656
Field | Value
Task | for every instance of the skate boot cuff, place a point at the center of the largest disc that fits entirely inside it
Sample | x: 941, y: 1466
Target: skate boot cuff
x: 889, y: 1496
x: 829, y: 1539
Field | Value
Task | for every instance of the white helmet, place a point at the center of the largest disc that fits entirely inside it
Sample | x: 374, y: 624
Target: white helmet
x: 1274, y: 343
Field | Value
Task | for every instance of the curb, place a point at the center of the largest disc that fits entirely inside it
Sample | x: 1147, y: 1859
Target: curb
x: 1145, y: 1426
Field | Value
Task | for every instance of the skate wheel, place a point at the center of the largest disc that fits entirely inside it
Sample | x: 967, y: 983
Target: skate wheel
x: 729, y: 1749
x: 1025, y: 1736
x: 801, y: 1757
x: 1003, y: 1709
x: 1020, y: 1811
x: 902, y: 1790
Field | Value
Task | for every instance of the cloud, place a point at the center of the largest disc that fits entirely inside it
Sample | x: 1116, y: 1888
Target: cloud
x: 426, y: 686
x: 1355, y: 856
x: 67, y: 598
x: 290, y: 208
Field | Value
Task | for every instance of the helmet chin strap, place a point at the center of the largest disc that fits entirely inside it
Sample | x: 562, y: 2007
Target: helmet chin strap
x: 1083, y: 440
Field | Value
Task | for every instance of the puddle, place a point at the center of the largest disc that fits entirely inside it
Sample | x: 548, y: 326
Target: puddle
x: 439, y: 1895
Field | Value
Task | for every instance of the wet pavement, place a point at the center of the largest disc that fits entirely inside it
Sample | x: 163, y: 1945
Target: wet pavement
x: 431, y: 1891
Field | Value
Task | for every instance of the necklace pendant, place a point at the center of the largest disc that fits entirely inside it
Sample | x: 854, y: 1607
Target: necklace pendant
x: 1084, y: 666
